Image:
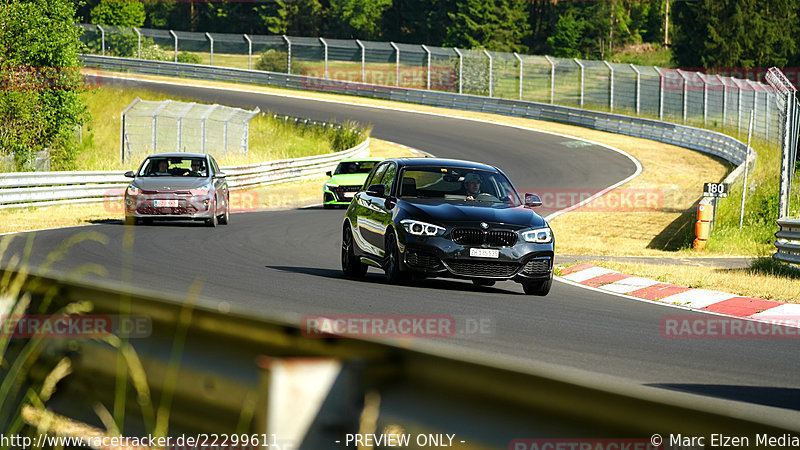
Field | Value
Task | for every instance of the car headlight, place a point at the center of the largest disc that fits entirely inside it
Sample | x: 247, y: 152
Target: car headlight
x: 133, y: 190
x: 538, y: 236
x: 418, y: 228
x: 329, y: 187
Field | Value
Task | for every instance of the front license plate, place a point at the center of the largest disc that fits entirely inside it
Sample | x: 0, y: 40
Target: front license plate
x: 349, y: 194
x: 165, y: 203
x: 484, y: 253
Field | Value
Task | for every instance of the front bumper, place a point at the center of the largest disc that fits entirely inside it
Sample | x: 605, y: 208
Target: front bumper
x: 188, y: 207
x: 441, y: 257
x: 339, y: 195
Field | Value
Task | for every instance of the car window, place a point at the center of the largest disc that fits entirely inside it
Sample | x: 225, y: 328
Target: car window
x: 174, y: 167
x: 347, y: 167
x: 388, y: 177
x: 376, y: 176
x: 449, y: 183
x: 214, y: 165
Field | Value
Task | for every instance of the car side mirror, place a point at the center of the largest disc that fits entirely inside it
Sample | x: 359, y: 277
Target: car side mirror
x: 329, y: 173
x: 220, y: 175
x: 532, y: 200
x: 130, y: 174
x: 376, y: 190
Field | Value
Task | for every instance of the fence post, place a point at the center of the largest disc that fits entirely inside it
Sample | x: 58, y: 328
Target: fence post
x: 175, y: 38
x: 396, y: 63
x: 249, y: 52
x: 746, y: 164
x: 685, y: 94
x: 460, y: 69
x: 724, y: 101
x: 519, y: 58
x: 363, y: 61
x: 738, y: 107
x: 552, y: 78
x: 203, y: 119
x: 638, y: 87
x: 660, y: 93
x: 102, y: 40
x: 610, y: 86
x: 138, y: 43
x: 486, y: 52
x: 705, y: 97
x: 325, y: 50
x: 211, y: 46
x: 155, y: 122
x: 582, y: 79
x: 754, y: 110
x: 288, y: 54
x: 122, y: 127
x: 766, y: 115
x: 425, y: 47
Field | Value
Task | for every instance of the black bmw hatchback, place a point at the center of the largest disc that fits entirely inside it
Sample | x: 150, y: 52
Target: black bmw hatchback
x: 434, y: 217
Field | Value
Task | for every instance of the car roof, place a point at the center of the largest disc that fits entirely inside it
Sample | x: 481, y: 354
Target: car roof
x: 177, y: 155
x: 424, y: 162
x: 368, y: 158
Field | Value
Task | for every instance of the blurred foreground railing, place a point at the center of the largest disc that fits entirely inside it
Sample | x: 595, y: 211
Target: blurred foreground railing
x: 249, y: 372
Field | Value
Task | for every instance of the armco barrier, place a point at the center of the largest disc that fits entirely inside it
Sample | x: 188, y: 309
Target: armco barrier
x: 788, y: 242
x: 53, y: 188
x: 706, y: 141
x: 244, y: 372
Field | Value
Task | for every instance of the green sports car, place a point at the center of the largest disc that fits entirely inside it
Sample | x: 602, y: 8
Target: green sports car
x: 346, y: 180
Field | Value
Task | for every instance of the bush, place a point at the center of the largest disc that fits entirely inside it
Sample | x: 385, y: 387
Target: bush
x: 189, y: 58
x: 155, y: 53
x: 272, y: 61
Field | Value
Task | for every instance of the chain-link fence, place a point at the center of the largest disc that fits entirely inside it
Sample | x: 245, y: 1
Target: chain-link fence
x: 693, y: 98
x: 170, y: 126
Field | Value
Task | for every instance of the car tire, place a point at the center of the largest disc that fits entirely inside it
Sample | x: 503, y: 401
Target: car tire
x: 351, y: 265
x: 392, y: 263
x: 483, y: 283
x: 212, y: 221
x: 226, y: 218
x: 540, y: 288
x: 130, y: 220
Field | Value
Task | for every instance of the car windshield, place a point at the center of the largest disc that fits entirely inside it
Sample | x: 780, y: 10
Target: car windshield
x: 346, y: 167
x: 456, y: 183
x: 174, y: 167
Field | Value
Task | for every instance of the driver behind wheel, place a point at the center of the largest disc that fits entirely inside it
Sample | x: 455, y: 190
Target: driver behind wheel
x: 472, y: 185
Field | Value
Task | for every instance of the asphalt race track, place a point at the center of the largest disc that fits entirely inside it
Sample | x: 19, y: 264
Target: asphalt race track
x: 287, y: 262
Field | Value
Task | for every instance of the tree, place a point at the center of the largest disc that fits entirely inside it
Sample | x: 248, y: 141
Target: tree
x: 296, y: 18
x: 734, y: 33
x: 118, y: 13
x: 499, y: 25
x: 40, y: 105
x: 566, y: 37
x: 358, y: 19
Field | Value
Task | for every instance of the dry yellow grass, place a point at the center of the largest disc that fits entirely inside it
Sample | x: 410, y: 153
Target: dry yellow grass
x: 276, y: 196
x: 744, y: 282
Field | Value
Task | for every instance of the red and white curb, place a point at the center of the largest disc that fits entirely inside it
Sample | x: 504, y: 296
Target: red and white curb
x: 698, y: 299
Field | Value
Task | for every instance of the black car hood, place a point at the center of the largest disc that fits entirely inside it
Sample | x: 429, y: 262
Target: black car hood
x: 462, y: 212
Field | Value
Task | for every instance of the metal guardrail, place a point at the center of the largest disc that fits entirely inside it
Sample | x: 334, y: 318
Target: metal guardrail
x: 23, y: 189
x: 699, y: 139
x: 237, y: 364
x: 788, y: 242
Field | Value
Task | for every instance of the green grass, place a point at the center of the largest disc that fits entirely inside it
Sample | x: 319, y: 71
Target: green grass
x: 645, y: 55
x: 269, y: 138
